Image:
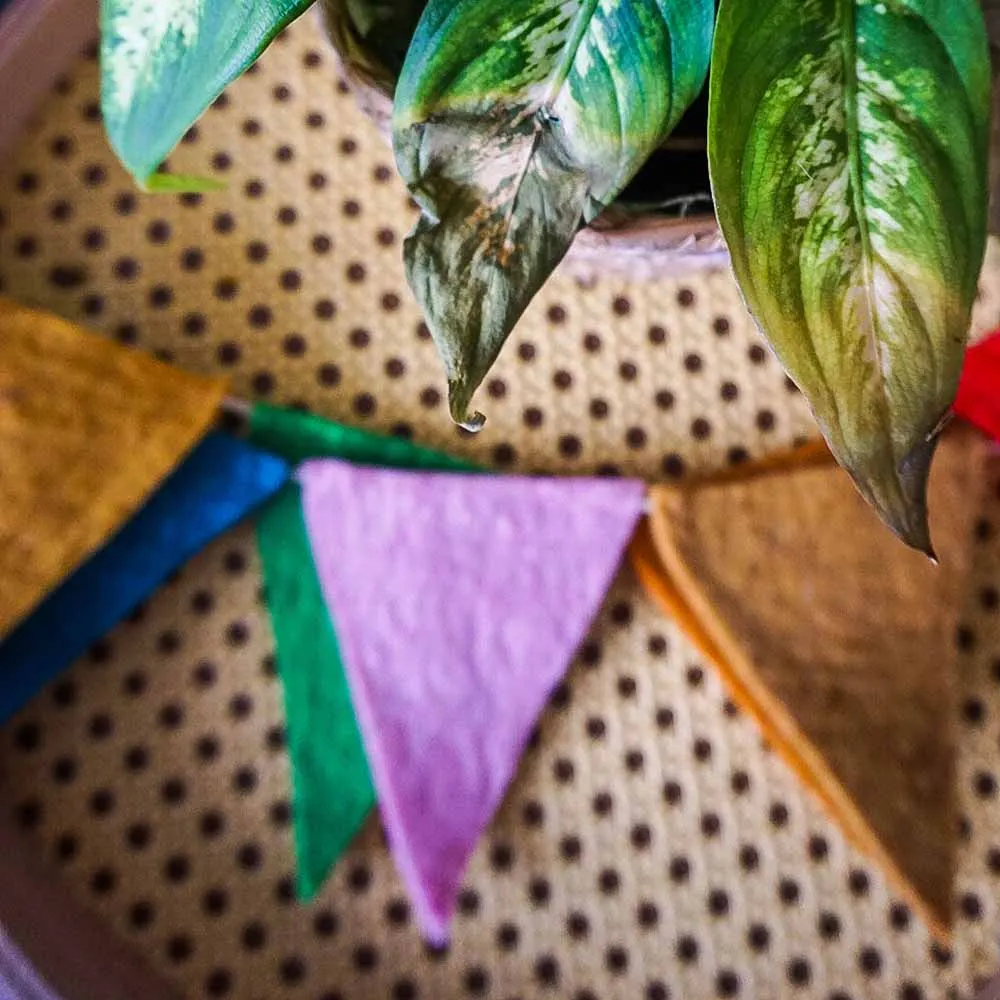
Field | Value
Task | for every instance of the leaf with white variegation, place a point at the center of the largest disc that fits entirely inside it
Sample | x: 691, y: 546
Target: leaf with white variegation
x: 515, y: 124
x: 164, y: 61
x: 848, y: 151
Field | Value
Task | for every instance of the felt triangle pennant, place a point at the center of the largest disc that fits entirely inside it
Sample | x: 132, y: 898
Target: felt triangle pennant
x: 836, y: 638
x: 212, y: 489
x: 332, y: 788
x: 978, y: 399
x: 87, y: 430
x: 459, y: 601
x: 19, y: 979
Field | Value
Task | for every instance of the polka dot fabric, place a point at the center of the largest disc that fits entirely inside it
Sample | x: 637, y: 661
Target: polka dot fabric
x: 651, y: 846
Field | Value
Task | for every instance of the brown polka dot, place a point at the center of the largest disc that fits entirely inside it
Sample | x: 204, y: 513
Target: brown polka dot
x: 899, y: 916
x: 326, y: 923
x: 570, y: 446
x: 687, y: 949
x: 635, y: 438
x: 870, y: 961
x: 858, y: 882
x: 533, y: 813
x: 533, y: 417
x: 765, y: 420
x: 179, y: 948
x: 799, y: 972
x: 65, y: 276
x: 616, y: 960
x: 364, y: 404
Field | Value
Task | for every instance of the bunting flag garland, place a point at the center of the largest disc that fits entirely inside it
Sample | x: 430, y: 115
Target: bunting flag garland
x: 836, y: 638
x: 459, y: 600
x: 332, y: 790
x: 213, y: 488
x: 87, y: 430
x: 423, y: 611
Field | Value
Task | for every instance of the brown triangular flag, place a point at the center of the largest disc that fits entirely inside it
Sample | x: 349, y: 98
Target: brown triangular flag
x: 88, y: 429
x: 835, y: 637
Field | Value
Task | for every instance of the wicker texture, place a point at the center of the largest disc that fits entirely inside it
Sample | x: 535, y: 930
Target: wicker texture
x: 649, y: 844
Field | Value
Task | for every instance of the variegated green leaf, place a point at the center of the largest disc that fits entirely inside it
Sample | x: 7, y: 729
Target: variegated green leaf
x: 164, y: 61
x: 848, y: 151
x: 517, y: 122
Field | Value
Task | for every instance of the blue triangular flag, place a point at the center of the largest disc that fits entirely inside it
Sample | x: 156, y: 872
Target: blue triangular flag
x: 214, y: 488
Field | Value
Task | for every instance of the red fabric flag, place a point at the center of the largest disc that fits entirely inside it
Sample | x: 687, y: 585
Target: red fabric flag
x: 979, y: 389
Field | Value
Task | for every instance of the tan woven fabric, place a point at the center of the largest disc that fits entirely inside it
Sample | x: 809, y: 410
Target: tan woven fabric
x: 650, y: 845
x: 839, y: 641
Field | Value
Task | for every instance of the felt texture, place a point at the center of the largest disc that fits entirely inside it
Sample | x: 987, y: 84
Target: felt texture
x: 298, y: 436
x: 213, y: 488
x: 87, y: 430
x: 331, y: 782
x: 19, y: 979
x: 978, y: 399
x: 836, y: 638
x: 459, y: 601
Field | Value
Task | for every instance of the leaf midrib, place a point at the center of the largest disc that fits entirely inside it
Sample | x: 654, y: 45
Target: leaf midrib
x: 583, y: 18
x: 852, y: 136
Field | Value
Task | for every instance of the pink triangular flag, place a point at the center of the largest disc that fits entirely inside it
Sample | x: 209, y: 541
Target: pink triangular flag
x: 459, y: 602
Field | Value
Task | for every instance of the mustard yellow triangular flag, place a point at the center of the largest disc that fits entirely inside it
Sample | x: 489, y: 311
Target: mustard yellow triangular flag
x: 836, y: 638
x: 87, y: 430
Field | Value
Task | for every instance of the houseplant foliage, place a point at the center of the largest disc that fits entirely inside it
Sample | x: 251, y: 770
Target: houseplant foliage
x: 850, y: 180
x: 848, y: 144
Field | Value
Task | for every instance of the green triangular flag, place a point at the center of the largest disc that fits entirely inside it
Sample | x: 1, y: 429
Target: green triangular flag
x: 331, y: 785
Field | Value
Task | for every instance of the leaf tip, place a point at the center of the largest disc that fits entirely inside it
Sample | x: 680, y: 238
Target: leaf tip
x: 459, y: 403
x: 899, y: 494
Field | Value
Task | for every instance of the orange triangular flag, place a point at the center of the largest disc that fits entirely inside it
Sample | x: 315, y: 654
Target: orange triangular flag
x: 835, y: 637
x: 87, y: 430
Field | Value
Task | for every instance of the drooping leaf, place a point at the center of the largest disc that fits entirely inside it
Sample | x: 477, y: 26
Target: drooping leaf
x: 515, y: 124
x: 164, y: 61
x: 372, y: 36
x: 848, y: 152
